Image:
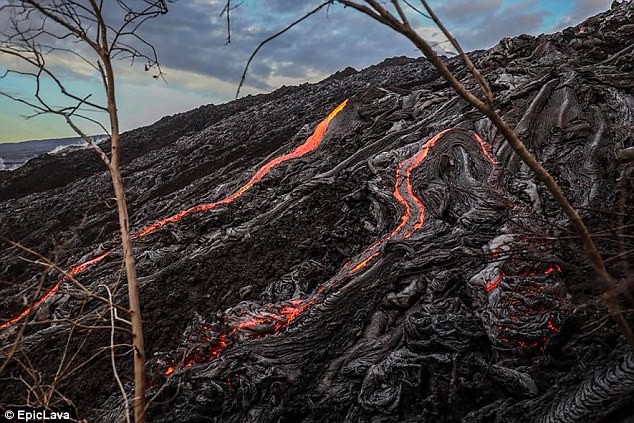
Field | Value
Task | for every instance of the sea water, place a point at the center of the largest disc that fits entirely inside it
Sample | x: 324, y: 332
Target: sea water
x: 14, y: 155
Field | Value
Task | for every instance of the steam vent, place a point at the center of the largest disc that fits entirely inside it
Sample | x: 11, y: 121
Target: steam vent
x: 364, y: 249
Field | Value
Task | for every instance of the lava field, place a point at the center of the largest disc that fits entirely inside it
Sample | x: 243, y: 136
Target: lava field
x: 364, y: 249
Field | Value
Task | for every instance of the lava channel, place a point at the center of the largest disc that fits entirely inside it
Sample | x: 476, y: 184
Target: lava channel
x: 308, y: 146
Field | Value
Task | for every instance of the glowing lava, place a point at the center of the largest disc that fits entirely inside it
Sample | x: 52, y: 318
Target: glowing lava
x: 308, y: 146
x: 365, y: 262
x: 72, y: 272
x: 413, y: 216
x: 528, y: 306
x: 491, y: 285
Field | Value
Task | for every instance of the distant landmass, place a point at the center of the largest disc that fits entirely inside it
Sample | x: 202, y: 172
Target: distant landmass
x: 15, y: 154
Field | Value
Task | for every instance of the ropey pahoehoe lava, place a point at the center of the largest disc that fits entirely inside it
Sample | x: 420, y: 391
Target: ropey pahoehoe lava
x: 392, y: 262
x: 412, y: 219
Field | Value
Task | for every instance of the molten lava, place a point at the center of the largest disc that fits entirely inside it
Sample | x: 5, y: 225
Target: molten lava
x: 71, y: 273
x: 308, y: 146
x: 364, y: 262
x: 527, y: 306
x: 491, y: 285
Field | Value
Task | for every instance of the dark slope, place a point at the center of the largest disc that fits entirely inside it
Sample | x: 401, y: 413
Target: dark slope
x: 485, y: 312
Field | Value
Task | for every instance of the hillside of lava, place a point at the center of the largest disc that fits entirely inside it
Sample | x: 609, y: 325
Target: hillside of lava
x: 364, y: 249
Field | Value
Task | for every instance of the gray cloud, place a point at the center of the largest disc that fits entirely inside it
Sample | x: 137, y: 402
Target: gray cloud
x: 191, y: 37
x: 583, y: 9
x: 488, y: 22
x: 462, y: 11
x: 274, y: 8
x: 322, y: 44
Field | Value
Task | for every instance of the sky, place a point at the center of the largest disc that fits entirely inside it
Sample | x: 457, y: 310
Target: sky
x: 200, y: 68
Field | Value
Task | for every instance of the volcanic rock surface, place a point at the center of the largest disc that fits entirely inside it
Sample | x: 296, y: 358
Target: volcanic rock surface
x: 389, y: 260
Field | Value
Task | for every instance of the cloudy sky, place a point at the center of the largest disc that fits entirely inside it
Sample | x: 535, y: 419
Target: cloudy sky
x: 200, y: 69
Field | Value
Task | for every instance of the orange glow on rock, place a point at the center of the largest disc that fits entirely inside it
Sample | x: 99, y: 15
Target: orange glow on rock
x: 364, y: 262
x: 494, y: 283
x: 525, y: 308
x: 248, y: 324
x: 551, y: 326
x: 295, y: 309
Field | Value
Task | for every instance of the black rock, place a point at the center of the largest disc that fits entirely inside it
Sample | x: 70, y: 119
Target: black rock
x: 320, y: 294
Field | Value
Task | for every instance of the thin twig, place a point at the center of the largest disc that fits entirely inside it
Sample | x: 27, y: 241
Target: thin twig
x: 274, y: 36
x: 113, y: 361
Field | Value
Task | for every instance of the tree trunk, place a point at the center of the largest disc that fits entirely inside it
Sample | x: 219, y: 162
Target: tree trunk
x: 128, y: 257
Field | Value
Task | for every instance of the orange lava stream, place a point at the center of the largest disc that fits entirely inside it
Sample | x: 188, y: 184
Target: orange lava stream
x: 363, y: 263
x: 72, y: 272
x: 413, y: 217
x: 308, y: 146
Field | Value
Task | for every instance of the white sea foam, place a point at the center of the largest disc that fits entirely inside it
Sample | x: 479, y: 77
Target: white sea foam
x: 61, y: 148
x: 2, y: 165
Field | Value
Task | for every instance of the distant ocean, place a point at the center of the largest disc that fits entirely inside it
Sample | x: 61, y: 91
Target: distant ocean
x: 13, y: 155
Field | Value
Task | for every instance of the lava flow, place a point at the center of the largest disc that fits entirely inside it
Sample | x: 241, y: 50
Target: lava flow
x: 520, y: 303
x: 70, y: 274
x: 412, y: 219
x: 308, y: 146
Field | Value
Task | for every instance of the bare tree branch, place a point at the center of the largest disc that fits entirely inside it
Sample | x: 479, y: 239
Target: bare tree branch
x: 274, y: 36
x: 113, y: 360
x: 484, y: 85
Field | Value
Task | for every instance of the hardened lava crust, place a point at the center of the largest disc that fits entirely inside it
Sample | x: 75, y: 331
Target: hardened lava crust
x: 364, y: 249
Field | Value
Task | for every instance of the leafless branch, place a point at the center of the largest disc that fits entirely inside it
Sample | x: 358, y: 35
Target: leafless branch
x: 274, y: 36
x: 113, y: 360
